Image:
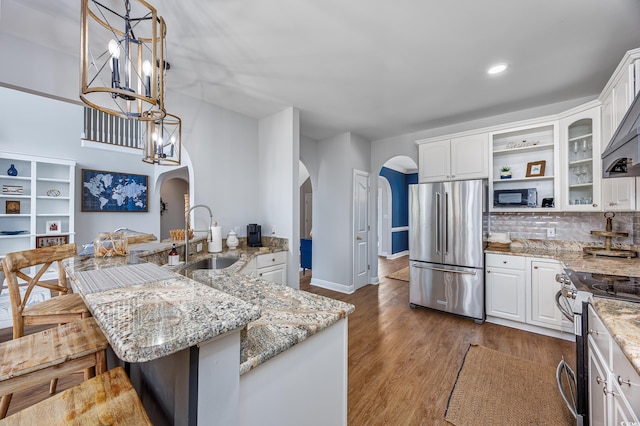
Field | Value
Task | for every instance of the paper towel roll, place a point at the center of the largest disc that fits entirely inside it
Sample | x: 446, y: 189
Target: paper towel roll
x: 215, y: 245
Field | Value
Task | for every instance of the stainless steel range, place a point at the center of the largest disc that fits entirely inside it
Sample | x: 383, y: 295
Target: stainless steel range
x: 572, y: 300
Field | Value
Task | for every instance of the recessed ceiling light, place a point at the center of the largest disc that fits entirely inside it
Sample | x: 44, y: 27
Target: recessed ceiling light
x: 497, y: 69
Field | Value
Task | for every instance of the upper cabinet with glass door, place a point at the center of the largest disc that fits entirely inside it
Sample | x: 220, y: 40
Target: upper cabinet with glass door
x: 580, y: 157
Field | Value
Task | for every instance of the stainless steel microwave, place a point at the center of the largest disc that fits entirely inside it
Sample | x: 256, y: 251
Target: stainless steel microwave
x: 527, y: 197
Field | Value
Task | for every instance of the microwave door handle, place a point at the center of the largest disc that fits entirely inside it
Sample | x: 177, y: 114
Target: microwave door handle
x: 438, y: 243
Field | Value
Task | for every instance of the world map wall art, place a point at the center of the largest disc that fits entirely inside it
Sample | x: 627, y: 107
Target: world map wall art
x: 113, y: 192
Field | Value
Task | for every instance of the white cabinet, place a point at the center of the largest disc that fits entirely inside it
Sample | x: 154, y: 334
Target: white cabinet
x: 541, y: 295
x: 614, y: 385
x: 505, y: 287
x: 458, y: 158
x: 619, y: 194
x: 581, y: 171
x: 271, y: 267
x: 531, y: 155
x: 522, y: 290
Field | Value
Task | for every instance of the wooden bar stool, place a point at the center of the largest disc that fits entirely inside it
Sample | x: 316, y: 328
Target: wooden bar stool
x: 41, y: 357
x: 107, y: 399
x: 60, y: 309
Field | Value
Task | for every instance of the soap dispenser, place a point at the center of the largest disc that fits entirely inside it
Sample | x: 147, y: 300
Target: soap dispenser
x: 174, y: 257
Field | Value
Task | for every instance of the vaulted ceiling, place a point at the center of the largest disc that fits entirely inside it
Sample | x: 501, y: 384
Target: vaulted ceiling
x: 376, y: 68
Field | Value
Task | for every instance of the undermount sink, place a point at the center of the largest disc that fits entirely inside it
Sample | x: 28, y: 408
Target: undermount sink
x: 213, y: 263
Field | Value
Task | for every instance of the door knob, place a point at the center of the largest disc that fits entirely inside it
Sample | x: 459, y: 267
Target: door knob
x: 358, y: 238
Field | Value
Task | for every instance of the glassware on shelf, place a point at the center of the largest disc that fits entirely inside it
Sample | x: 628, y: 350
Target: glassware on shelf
x: 575, y: 150
x: 576, y: 173
x: 585, y: 145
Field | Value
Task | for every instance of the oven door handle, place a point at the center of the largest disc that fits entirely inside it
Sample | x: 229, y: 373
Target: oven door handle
x: 563, y: 309
x: 571, y: 384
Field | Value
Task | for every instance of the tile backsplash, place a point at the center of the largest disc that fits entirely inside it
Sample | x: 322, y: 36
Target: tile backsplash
x: 568, y: 226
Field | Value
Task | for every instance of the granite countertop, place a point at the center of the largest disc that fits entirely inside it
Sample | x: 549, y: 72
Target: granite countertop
x: 621, y: 318
x: 288, y: 317
x: 148, y: 311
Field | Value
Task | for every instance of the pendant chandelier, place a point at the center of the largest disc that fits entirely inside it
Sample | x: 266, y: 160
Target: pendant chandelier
x: 162, y: 140
x: 123, y: 68
x: 122, y: 57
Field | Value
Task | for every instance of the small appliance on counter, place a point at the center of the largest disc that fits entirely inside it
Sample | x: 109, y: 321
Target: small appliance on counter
x: 254, y: 235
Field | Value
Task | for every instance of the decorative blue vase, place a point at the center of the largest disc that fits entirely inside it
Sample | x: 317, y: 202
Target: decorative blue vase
x: 12, y: 171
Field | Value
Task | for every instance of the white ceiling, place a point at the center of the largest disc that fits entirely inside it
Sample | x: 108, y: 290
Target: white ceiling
x: 376, y: 68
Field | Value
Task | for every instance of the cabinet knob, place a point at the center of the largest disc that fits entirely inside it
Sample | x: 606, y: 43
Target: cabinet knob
x: 504, y: 261
x: 453, y: 176
x: 595, y: 205
x: 260, y: 274
x: 535, y: 267
x: 611, y: 203
x: 273, y: 260
x: 601, y: 381
x: 596, y: 332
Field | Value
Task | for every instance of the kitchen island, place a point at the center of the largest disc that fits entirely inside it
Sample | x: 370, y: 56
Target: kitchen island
x: 221, y: 348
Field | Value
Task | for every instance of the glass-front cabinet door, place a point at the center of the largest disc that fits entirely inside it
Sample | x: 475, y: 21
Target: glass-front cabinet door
x: 582, y: 167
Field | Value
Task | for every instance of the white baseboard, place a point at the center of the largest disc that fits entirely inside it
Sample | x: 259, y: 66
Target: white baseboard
x: 374, y: 280
x: 399, y: 254
x: 532, y: 328
x: 347, y: 289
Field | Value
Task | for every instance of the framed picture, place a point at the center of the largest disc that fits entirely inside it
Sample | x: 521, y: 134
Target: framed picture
x: 54, y: 227
x: 536, y: 168
x: 51, y: 241
x: 113, y: 192
x: 13, y: 207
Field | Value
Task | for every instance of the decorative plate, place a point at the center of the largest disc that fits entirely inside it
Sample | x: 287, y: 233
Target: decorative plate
x: 12, y: 232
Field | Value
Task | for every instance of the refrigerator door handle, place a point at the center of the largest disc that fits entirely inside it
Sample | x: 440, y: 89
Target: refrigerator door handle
x: 438, y: 236
x: 446, y: 223
x: 445, y: 270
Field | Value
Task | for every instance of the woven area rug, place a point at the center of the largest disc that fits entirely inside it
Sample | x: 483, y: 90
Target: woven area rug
x: 402, y: 275
x: 493, y: 388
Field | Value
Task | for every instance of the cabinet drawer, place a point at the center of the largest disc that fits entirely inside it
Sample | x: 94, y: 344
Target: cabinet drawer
x: 600, y: 336
x: 505, y: 261
x: 265, y: 260
x: 624, y: 373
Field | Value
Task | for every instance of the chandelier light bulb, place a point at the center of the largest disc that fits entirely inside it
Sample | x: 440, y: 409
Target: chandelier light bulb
x: 114, y: 49
x: 146, y: 68
x: 154, y: 136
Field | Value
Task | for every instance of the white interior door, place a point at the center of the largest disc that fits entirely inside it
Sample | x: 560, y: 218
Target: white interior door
x: 384, y: 217
x: 361, y: 228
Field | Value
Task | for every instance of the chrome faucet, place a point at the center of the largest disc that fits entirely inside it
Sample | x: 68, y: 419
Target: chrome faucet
x: 186, y: 229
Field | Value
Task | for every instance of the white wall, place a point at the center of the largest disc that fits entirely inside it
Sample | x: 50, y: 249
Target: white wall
x: 336, y: 158
x: 279, y: 193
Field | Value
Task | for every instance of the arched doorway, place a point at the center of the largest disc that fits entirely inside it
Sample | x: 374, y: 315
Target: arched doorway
x: 395, y: 176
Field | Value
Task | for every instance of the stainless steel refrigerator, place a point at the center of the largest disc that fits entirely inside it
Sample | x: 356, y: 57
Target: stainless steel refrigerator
x: 446, y: 249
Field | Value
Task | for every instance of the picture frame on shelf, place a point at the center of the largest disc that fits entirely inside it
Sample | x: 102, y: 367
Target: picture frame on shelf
x: 104, y: 191
x: 54, y: 227
x: 46, y: 241
x: 12, y: 207
x: 536, y: 168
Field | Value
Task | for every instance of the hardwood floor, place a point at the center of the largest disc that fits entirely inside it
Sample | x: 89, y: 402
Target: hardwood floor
x: 403, y: 362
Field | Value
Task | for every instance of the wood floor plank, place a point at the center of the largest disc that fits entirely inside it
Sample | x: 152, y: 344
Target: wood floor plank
x: 403, y: 362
